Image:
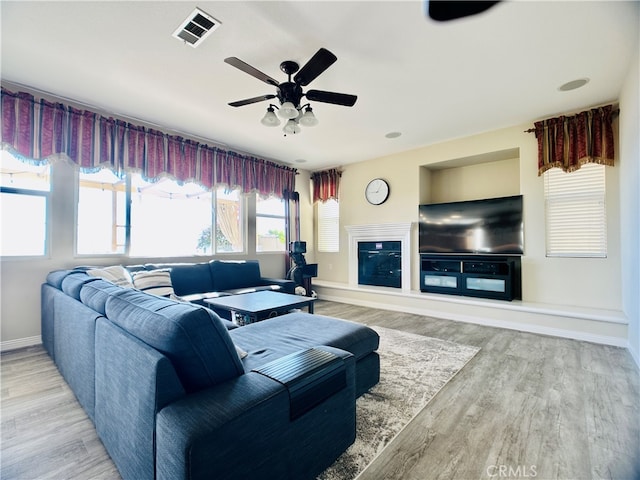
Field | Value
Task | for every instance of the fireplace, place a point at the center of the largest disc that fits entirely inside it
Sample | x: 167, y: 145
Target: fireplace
x: 379, y: 264
x: 382, y: 233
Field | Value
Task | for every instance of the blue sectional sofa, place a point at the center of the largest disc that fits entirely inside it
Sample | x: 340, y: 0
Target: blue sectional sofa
x: 195, y: 282
x: 176, y: 392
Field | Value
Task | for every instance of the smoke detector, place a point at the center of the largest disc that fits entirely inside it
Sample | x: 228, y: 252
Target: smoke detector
x: 196, y: 27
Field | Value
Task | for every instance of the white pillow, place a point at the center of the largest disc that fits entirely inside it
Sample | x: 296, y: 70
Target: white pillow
x: 156, y: 282
x: 116, y: 274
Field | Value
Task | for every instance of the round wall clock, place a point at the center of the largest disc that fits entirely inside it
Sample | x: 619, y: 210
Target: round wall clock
x: 377, y: 191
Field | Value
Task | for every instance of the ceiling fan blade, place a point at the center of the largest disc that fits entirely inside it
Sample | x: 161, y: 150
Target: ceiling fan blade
x: 445, y: 10
x: 254, y: 72
x: 249, y: 101
x: 322, y: 60
x: 331, y: 97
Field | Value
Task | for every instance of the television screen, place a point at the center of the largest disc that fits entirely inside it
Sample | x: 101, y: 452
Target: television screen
x: 491, y: 226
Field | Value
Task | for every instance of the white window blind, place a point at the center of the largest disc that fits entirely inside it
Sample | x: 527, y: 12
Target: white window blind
x: 576, y: 222
x: 328, y: 226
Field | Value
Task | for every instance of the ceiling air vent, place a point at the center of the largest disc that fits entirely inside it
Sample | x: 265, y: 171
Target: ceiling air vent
x: 196, y: 28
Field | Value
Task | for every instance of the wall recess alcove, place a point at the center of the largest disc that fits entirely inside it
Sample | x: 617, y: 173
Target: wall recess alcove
x: 476, y: 177
x: 487, y: 175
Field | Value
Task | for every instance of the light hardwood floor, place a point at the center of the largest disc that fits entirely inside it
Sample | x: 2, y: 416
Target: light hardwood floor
x: 527, y: 406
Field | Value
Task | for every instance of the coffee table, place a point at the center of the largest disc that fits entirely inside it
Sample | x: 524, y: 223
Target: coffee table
x: 253, y: 307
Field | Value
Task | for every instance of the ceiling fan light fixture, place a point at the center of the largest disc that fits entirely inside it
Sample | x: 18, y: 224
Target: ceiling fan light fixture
x: 288, y: 111
x: 270, y: 119
x: 290, y: 93
x: 308, y: 119
x: 291, y: 127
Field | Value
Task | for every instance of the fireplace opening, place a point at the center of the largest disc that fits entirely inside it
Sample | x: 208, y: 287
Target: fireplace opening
x: 379, y: 264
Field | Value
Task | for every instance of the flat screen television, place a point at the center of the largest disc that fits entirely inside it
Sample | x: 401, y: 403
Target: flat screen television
x: 485, y: 227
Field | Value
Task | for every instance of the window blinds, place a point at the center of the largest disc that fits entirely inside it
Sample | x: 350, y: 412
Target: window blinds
x: 576, y: 223
x: 328, y: 226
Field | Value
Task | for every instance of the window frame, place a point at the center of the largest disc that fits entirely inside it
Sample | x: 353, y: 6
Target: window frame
x: 129, y: 192
x: 283, y: 217
x: 47, y: 217
x: 126, y: 226
x: 32, y: 192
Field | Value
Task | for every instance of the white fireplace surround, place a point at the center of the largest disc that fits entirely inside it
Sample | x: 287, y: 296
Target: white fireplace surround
x: 386, y: 232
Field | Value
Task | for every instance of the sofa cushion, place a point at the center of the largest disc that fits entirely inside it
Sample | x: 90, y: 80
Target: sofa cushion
x: 156, y: 282
x: 56, y: 277
x: 73, y: 283
x: 136, y: 268
x: 115, y: 274
x: 270, y: 339
x: 191, y: 336
x: 188, y: 279
x: 229, y: 274
x: 95, y: 294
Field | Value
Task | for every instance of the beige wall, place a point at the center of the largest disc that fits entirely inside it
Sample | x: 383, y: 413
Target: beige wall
x: 589, y: 283
x: 499, y: 178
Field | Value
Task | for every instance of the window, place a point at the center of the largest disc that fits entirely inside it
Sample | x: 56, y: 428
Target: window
x: 168, y: 219
x: 328, y: 226
x: 576, y: 223
x: 101, y: 214
x: 24, y: 195
x: 165, y: 218
x: 270, y: 225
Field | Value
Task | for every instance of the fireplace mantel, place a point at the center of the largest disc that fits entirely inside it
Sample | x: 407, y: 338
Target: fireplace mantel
x: 380, y: 233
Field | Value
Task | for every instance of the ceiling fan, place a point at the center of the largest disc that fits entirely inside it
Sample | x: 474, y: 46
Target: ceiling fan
x: 445, y: 10
x: 290, y: 93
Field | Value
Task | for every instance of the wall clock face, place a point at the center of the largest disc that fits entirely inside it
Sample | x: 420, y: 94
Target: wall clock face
x: 377, y: 191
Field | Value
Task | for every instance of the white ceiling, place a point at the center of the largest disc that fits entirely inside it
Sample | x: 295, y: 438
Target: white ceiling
x: 430, y: 81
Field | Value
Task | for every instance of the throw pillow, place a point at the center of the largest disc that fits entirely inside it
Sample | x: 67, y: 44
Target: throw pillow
x: 156, y: 282
x: 241, y: 352
x: 116, y: 274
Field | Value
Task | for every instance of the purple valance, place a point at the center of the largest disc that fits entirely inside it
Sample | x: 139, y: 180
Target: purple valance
x: 38, y: 129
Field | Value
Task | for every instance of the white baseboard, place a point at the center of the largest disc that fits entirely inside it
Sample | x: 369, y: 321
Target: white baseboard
x: 603, y: 327
x: 20, y: 343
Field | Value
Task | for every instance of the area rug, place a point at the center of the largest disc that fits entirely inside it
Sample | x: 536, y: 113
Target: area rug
x: 413, y: 368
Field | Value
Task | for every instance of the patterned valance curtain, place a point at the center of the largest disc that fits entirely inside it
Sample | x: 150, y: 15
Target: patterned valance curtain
x: 569, y: 142
x: 38, y: 129
x: 326, y: 185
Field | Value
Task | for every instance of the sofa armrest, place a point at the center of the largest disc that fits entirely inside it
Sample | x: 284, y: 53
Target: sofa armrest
x: 218, y: 429
x: 310, y: 376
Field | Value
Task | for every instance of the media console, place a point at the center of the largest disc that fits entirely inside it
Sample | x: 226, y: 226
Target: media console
x: 497, y: 277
